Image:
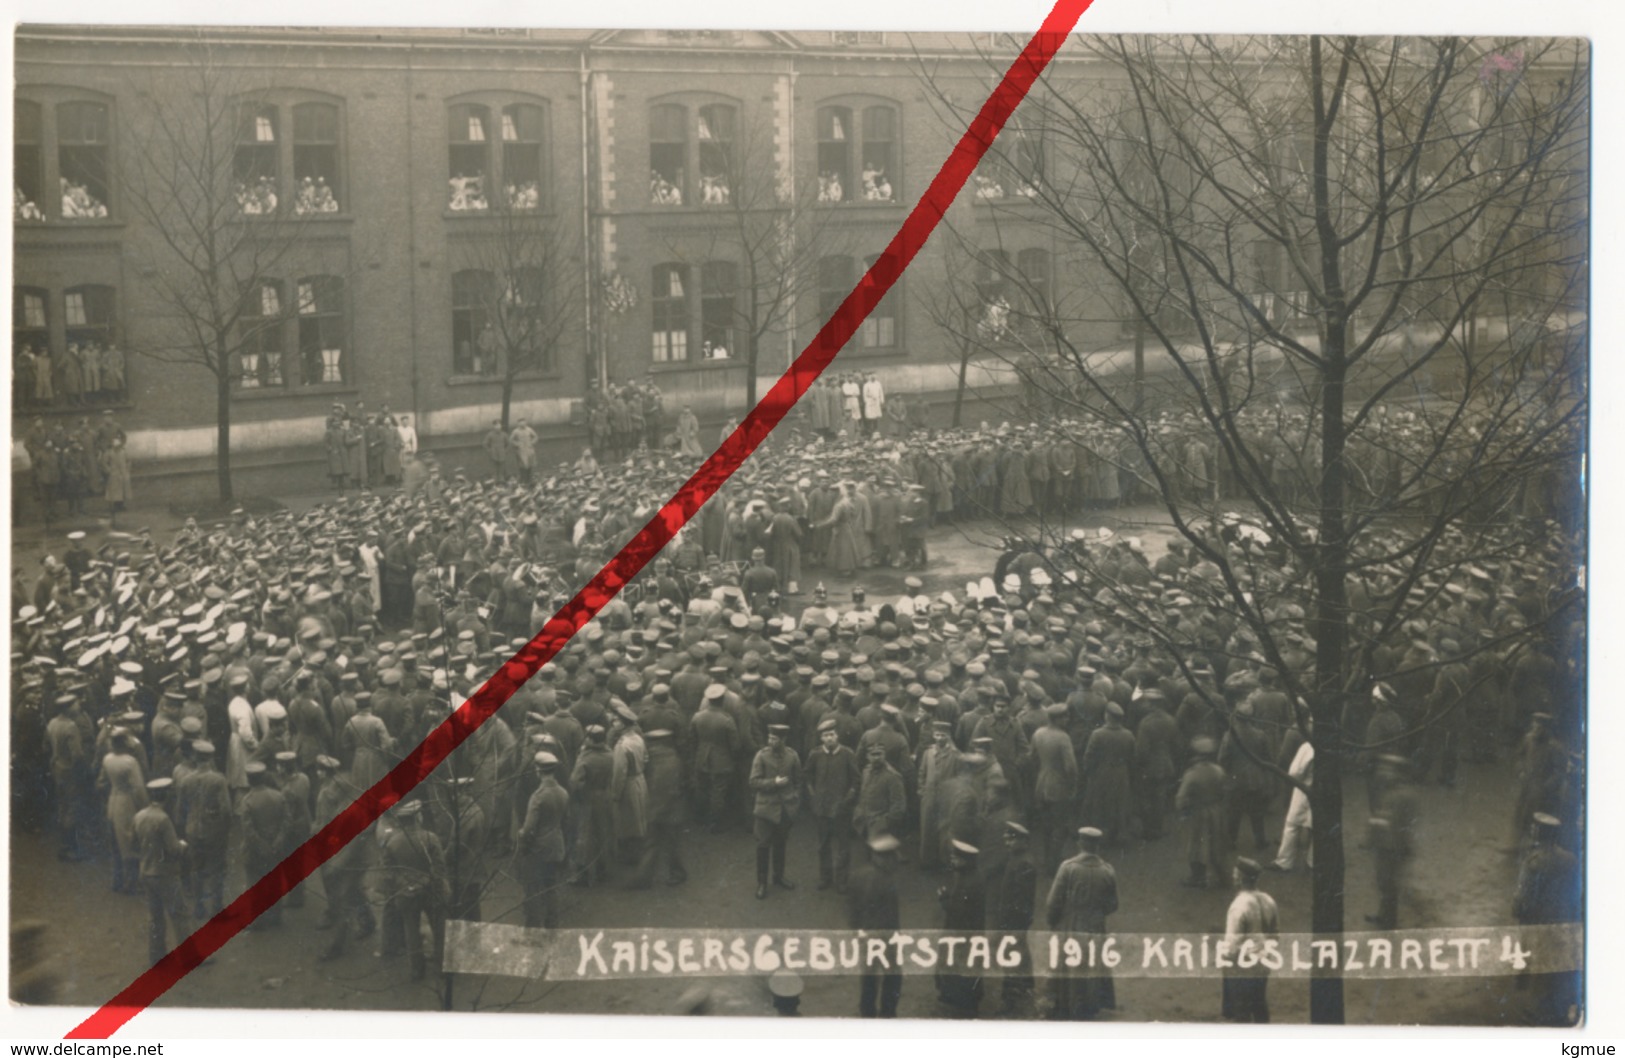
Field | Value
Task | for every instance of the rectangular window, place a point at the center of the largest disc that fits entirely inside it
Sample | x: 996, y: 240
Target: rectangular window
x: 718, y: 310
x: 879, y: 154
x: 82, y: 157
x: 260, y: 338
x: 321, y: 331
x: 716, y: 136
x: 522, y: 156
x: 835, y: 134
x: 316, y: 158
x: 31, y: 349
x: 670, y: 308
x: 668, y: 154
x: 473, y: 343
x: 469, y: 153
x: 28, y: 162
x: 879, y: 331
x: 254, y: 163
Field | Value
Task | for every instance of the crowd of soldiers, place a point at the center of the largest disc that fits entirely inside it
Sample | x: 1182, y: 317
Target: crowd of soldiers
x: 67, y: 463
x: 246, y: 682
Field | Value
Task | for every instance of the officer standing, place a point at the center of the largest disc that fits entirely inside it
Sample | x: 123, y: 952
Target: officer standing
x: 1011, y: 894
x: 875, y: 908
x: 415, y: 868
x: 263, y: 812
x: 775, y: 778
x: 161, y: 851
x: 541, y: 845
x: 1083, y: 894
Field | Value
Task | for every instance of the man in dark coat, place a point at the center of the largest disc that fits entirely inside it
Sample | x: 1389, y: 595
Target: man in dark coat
x: 414, y: 868
x: 1011, y: 895
x: 833, y: 779
x: 1156, y: 752
x: 1083, y: 894
x: 874, y: 907
x: 1393, y: 837
x: 1550, y: 891
x: 590, y: 795
x: 964, y: 909
x: 775, y: 779
x: 882, y: 804
x: 1200, y: 803
x: 1108, y: 763
x: 542, y: 848
x: 263, y: 812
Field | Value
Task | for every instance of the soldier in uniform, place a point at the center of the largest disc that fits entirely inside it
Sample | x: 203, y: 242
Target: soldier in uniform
x: 342, y: 873
x: 161, y: 853
x: 882, y: 804
x: 833, y: 780
x: 1200, y: 802
x: 1083, y: 894
x: 1393, y: 836
x: 542, y: 846
x: 263, y: 814
x: 414, y: 867
x: 1012, y: 891
x: 964, y: 909
x: 590, y: 792
x: 874, y: 907
x: 1056, y: 785
x: 775, y: 778
x: 1550, y: 891
x: 716, y: 744
x: 1252, y: 918
x: 203, y: 814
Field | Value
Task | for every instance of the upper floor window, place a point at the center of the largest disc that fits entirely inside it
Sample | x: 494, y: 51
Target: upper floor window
x: 274, y: 170
x: 497, y: 155
x: 61, y: 157
x: 1016, y: 295
x: 686, y: 140
x: 857, y: 153
x: 28, y: 160
x: 1012, y: 169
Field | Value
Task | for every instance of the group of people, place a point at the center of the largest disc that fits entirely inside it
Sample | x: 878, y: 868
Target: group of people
x: 365, y: 451
x: 246, y: 682
x: 621, y: 418
x: 68, y: 464
x: 80, y: 373
x: 856, y: 403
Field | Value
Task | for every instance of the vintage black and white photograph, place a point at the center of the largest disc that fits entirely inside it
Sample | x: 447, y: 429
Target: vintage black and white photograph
x: 1169, y: 606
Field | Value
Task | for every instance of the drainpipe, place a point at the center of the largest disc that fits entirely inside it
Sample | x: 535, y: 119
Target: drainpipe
x: 589, y: 254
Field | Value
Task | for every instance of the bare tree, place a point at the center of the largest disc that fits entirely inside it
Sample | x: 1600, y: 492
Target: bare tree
x: 773, y: 232
x: 1352, y: 259
x: 523, y: 285
x: 221, y: 235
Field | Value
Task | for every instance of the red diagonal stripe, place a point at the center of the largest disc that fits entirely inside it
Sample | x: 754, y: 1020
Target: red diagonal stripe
x: 836, y: 332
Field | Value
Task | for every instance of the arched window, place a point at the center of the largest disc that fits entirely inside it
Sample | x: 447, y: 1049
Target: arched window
x: 996, y: 321
x: 669, y: 303
x: 88, y: 313
x: 470, y: 157
x: 1013, y: 169
x: 524, y: 321
x: 83, y: 139
x: 668, y: 154
x: 316, y: 158
x: 473, y: 343
x: 259, y: 341
x: 322, y: 343
x: 719, y: 308
x: 858, y: 152
x: 28, y: 161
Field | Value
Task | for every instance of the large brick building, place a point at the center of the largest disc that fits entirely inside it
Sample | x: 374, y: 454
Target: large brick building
x: 612, y: 144
x: 391, y: 188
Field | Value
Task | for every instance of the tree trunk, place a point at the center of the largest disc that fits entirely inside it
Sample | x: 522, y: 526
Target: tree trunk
x: 507, y: 399
x: 222, y: 427
x: 753, y: 347
x: 1139, y: 366
x: 1330, y: 629
x: 1330, y: 566
x: 959, y: 391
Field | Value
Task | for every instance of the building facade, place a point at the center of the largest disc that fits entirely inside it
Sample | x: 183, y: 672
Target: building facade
x: 447, y: 221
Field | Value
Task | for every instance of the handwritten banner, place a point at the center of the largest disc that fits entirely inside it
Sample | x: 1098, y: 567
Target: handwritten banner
x: 630, y: 954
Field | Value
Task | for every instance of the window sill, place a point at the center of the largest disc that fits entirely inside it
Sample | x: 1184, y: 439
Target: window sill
x: 861, y: 203
x: 492, y: 215
x: 669, y: 366
x: 293, y: 219
x: 496, y: 380
x: 21, y: 411
x: 331, y: 389
x: 59, y: 224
